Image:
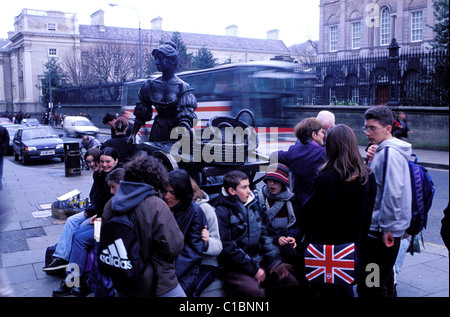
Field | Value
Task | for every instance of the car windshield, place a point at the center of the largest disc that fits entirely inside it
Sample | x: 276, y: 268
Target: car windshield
x: 40, y: 133
x: 83, y: 123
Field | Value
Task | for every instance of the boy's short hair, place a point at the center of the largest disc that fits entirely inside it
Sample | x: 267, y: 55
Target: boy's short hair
x: 232, y: 179
x: 108, y: 117
x: 382, y: 114
x: 303, y: 131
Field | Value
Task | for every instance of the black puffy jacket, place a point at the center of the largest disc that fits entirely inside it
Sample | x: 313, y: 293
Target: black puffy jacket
x: 191, y: 221
x: 246, y: 244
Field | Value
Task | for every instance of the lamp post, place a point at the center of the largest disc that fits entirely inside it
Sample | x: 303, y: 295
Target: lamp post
x: 140, y: 41
x: 50, y: 103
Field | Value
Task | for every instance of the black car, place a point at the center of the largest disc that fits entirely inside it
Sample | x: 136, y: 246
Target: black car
x: 36, y: 143
x: 11, y: 128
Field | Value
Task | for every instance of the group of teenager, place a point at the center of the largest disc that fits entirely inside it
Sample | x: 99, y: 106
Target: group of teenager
x: 254, y: 240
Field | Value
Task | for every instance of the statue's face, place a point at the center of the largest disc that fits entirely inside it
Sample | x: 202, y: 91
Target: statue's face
x: 163, y: 63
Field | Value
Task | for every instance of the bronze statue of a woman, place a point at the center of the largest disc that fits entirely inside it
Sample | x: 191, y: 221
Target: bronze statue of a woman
x: 171, y: 96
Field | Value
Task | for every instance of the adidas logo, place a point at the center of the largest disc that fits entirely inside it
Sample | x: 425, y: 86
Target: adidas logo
x: 116, y: 255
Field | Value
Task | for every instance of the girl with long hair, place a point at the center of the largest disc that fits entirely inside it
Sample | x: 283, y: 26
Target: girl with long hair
x: 339, y: 209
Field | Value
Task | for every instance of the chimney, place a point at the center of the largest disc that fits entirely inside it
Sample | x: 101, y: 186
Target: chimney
x: 231, y: 30
x: 156, y: 24
x: 273, y: 34
x: 98, y: 18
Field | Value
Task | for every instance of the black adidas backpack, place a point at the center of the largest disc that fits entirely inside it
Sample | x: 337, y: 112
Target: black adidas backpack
x: 118, y: 251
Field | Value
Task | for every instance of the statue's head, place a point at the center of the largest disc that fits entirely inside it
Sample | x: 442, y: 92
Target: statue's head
x: 168, y: 50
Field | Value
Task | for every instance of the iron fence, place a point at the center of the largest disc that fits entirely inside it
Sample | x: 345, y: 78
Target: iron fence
x: 413, y: 78
x: 101, y: 94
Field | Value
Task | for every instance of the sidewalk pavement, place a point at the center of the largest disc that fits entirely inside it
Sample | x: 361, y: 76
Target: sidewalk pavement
x: 24, y: 238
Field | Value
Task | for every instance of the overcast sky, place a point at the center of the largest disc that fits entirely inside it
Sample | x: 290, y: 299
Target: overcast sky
x: 297, y: 20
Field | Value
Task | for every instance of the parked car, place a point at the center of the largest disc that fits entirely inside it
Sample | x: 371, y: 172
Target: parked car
x: 78, y: 126
x: 30, y: 122
x: 35, y: 143
x: 11, y: 128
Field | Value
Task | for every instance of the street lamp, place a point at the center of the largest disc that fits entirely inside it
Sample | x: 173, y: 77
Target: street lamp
x: 50, y: 104
x: 140, y: 41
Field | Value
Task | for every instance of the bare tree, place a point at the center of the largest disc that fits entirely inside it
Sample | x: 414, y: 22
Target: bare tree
x: 102, y: 63
x: 71, y: 65
x: 305, y: 52
x: 110, y: 63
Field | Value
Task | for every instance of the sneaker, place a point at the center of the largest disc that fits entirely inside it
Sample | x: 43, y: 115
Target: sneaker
x: 63, y: 290
x: 56, y: 264
x: 81, y: 291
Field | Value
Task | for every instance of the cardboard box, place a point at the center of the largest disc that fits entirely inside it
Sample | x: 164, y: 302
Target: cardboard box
x: 63, y: 213
x: 63, y: 200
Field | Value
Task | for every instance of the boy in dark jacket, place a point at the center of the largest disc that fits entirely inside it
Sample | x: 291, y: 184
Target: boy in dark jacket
x: 250, y: 264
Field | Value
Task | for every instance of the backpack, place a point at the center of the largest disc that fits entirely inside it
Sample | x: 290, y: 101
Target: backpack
x: 422, y: 193
x: 118, y: 251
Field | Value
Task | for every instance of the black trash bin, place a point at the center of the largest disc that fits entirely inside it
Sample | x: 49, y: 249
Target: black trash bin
x: 72, y: 154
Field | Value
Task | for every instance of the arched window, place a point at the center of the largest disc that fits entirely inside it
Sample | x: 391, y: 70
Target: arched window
x: 330, y: 88
x: 385, y: 27
x: 351, y: 82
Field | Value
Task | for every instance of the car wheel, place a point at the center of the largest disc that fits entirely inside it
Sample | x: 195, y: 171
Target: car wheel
x: 24, y: 160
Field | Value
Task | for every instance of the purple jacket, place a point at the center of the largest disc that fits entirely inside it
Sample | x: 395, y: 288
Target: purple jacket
x: 303, y: 160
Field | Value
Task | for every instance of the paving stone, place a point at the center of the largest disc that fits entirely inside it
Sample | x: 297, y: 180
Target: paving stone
x: 23, y: 257
x: 15, y: 240
x: 20, y: 274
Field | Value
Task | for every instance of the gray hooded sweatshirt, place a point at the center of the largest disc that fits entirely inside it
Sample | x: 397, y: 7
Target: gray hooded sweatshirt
x: 392, y: 210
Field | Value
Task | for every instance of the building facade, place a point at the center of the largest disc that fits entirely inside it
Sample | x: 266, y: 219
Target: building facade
x: 40, y: 35
x: 360, y: 27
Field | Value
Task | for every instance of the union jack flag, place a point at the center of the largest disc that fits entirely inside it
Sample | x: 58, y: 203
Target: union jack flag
x: 334, y: 264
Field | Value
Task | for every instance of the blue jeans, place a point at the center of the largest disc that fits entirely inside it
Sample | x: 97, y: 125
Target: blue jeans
x: 176, y: 292
x: 64, y: 245
x: 83, y: 242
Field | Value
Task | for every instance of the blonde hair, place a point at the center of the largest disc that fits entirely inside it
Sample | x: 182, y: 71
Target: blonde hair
x: 198, y: 194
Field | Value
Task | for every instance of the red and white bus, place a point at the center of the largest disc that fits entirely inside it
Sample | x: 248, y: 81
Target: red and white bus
x: 262, y: 87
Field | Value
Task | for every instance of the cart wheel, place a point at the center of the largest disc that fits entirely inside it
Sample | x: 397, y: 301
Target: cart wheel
x: 166, y: 159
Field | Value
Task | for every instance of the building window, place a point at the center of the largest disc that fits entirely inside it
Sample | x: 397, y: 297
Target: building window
x: 51, y: 26
x: 355, y: 94
x: 332, y: 95
x: 356, y: 35
x: 52, y: 52
x: 333, y: 38
x: 385, y: 31
x: 416, y: 26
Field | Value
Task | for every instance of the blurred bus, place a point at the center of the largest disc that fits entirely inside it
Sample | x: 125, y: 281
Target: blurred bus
x: 262, y: 87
